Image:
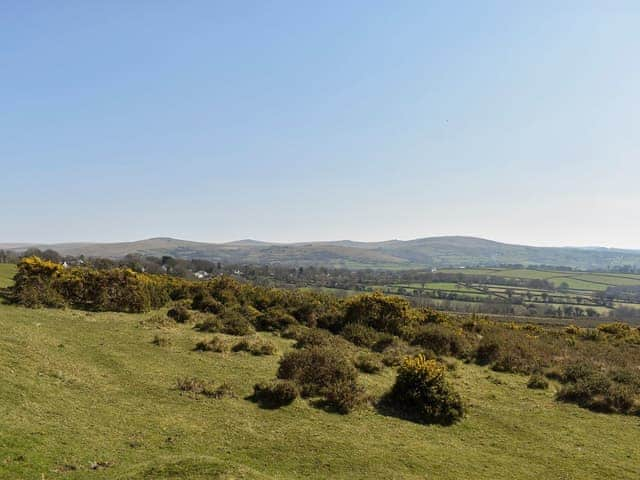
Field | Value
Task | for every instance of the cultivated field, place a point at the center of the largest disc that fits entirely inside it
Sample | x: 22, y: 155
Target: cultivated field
x: 567, y: 295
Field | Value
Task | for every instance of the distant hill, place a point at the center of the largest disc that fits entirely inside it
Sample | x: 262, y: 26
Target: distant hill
x: 394, y: 254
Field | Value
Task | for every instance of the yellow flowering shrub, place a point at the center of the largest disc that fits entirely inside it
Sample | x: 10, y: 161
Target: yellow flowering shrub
x: 422, y: 391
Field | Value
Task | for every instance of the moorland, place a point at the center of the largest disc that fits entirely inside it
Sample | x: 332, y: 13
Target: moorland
x: 177, y: 379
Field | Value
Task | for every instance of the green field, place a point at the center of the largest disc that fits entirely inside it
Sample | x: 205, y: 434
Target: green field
x: 557, y: 277
x: 81, y: 388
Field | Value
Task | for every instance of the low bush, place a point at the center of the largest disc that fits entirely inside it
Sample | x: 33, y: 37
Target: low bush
x: 192, y: 384
x: 538, y: 382
x: 198, y: 386
x: 385, y: 341
x: 441, y: 340
x: 617, y: 329
x: 206, y: 303
x: 591, y: 388
x: 255, y: 346
x: 274, y: 394
x: 383, y: 313
x: 368, y: 363
x: 315, y: 369
x: 314, y: 337
x: 215, y: 344
x: 344, y: 396
x: 422, y: 392
x: 360, y: 335
x: 393, y: 355
x: 222, y: 391
x: 627, y: 377
x: 234, y: 323
x: 513, y: 352
x: 273, y: 319
x: 179, y: 313
x: 293, y: 332
x: 211, y: 323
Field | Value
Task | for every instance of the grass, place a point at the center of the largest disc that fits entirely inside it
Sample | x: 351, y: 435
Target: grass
x: 7, y: 271
x: 82, y: 388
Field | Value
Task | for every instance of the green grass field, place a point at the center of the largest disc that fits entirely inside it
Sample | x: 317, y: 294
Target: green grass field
x: 81, y: 388
x: 557, y: 277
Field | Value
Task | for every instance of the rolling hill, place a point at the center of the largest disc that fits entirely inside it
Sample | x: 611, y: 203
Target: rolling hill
x: 450, y: 251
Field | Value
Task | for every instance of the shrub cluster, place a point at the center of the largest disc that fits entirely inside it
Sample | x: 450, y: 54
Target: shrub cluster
x: 514, y: 352
x: 231, y: 322
x: 323, y: 372
x: 422, y: 392
x: 592, y: 388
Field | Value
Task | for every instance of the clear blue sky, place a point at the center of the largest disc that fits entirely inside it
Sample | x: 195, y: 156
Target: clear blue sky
x: 291, y: 121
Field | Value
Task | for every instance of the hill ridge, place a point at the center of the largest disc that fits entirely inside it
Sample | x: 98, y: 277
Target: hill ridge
x: 439, y: 251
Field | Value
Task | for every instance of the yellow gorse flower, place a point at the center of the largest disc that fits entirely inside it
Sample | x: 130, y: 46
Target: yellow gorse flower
x: 419, y: 365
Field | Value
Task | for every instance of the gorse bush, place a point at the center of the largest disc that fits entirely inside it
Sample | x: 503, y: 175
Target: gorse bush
x: 368, y: 363
x: 235, y: 323
x: 316, y: 368
x: 179, y: 313
x: 383, y: 313
x: 313, y: 337
x: 618, y: 329
x: 43, y: 283
x: 255, y: 346
x: 360, y: 335
x: 344, y: 396
x: 510, y: 352
x: 211, y: 323
x: 592, y: 388
x: 214, y: 344
x: 274, y: 318
x: 441, y: 339
x: 323, y: 372
x: 204, y: 302
x: 421, y: 391
x: 197, y: 386
x: 275, y: 394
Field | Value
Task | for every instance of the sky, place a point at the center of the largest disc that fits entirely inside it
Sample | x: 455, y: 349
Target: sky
x: 298, y: 121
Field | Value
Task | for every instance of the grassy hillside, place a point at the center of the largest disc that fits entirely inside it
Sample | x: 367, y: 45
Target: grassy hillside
x: 7, y: 271
x: 81, y: 387
x: 395, y: 254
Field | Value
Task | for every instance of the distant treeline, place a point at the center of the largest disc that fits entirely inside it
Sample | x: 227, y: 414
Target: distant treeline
x: 339, y: 279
